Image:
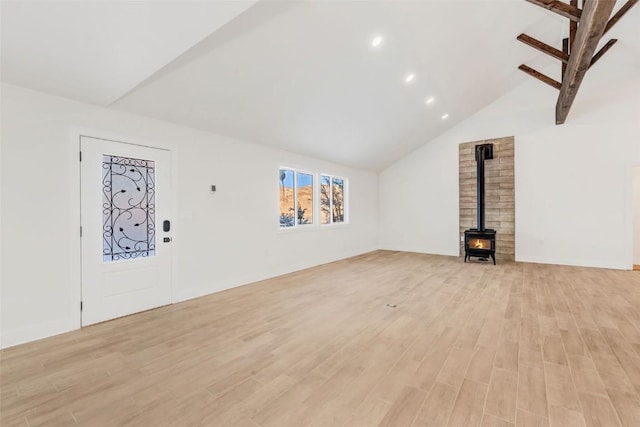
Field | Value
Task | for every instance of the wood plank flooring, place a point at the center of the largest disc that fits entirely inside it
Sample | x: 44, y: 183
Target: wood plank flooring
x: 467, y: 344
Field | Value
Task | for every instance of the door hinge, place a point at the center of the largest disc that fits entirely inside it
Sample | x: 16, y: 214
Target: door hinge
x: 81, y: 156
x: 80, y: 231
x: 80, y: 305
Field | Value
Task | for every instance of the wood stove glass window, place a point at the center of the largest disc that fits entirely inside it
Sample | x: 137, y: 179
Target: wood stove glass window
x: 475, y: 243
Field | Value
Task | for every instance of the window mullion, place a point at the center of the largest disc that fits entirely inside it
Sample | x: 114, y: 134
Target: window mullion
x: 295, y: 198
x: 330, y: 199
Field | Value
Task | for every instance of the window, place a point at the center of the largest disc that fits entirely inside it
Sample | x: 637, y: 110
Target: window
x: 332, y: 200
x: 304, y: 197
x: 296, y: 198
x: 128, y: 208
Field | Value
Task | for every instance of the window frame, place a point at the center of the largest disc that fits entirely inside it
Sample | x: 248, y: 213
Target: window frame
x: 314, y: 207
x: 345, y: 200
x: 317, y: 205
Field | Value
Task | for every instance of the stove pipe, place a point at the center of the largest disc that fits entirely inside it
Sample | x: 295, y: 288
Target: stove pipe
x: 483, y: 152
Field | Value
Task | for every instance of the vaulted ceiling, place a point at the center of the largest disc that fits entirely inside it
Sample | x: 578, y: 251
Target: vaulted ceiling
x: 301, y: 76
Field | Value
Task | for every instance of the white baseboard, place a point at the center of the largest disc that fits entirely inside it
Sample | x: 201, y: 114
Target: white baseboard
x: 63, y: 325
x: 441, y: 251
x: 35, y: 332
x: 210, y: 288
x: 571, y: 262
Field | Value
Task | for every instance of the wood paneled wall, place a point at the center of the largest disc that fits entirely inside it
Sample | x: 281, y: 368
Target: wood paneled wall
x: 499, y: 193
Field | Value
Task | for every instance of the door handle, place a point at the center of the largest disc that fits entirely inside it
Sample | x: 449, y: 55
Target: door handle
x: 166, y: 239
x: 166, y: 225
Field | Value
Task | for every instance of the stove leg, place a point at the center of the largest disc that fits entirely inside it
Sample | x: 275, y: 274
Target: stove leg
x: 465, y: 257
x: 494, y: 259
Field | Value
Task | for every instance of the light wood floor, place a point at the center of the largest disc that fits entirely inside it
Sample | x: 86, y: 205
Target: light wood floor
x: 467, y: 344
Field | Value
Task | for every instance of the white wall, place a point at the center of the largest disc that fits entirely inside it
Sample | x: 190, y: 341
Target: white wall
x: 636, y: 215
x: 572, y: 182
x: 221, y: 240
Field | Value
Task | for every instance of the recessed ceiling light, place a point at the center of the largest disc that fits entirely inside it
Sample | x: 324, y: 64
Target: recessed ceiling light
x: 444, y: 116
x: 429, y: 100
x: 376, y: 41
x: 409, y: 78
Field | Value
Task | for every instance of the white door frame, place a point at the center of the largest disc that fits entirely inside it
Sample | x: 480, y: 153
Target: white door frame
x: 631, y: 211
x: 75, y: 249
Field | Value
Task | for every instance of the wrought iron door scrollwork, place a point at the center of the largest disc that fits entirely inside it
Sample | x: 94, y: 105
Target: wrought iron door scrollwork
x: 128, y: 187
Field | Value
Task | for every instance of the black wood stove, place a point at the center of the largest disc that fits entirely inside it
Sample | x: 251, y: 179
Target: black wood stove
x: 481, y: 242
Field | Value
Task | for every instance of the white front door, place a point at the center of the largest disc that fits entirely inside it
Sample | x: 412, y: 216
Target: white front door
x: 126, y: 229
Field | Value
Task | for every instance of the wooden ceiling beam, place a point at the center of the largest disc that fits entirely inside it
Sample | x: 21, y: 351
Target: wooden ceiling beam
x: 542, y: 77
x: 543, y: 47
x: 565, y: 49
x: 593, y: 22
x: 619, y: 14
x: 573, y: 27
x: 560, y: 8
x: 602, y: 51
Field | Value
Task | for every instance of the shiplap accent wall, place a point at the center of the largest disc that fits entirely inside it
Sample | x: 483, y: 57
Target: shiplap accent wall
x: 499, y: 193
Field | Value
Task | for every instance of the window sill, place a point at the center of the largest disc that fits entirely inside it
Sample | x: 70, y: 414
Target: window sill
x: 312, y: 227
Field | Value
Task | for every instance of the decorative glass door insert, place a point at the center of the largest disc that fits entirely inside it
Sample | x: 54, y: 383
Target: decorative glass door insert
x: 128, y: 202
